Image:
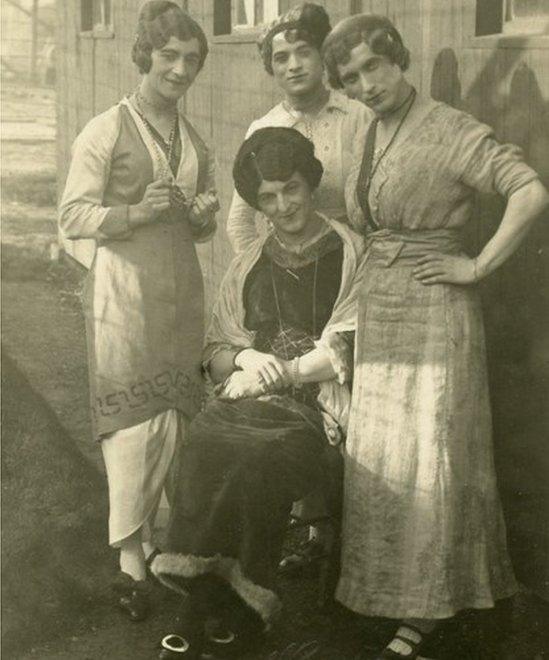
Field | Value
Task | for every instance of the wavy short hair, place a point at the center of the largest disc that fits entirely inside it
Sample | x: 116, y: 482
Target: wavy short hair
x: 274, y: 154
x: 307, y: 22
x: 158, y: 21
x: 377, y: 32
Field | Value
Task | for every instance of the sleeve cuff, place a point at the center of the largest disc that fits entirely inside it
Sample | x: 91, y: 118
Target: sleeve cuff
x: 116, y: 223
x: 340, y: 353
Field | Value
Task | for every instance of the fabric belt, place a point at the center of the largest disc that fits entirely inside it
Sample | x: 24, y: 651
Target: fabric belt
x: 386, y: 247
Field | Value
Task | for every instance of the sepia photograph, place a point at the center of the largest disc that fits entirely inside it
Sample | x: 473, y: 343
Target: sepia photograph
x: 275, y: 329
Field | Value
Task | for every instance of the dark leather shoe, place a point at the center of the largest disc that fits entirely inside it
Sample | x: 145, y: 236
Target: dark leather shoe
x: 132, y: 597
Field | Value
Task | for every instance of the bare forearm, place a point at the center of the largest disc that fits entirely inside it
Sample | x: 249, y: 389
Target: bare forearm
x: 315, y: 366
x: 523, y: 208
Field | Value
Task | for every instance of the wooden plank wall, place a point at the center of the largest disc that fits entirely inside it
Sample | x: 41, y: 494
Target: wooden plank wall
x: 92, y: 75
x: 233, y: 88
x: 75, y: 99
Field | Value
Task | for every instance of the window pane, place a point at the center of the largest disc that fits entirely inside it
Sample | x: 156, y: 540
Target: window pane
x: 245, y: 12
x: 529, y: 8
x: 96, y: 12
x: 526, y: 17
x: 86, y: 15
x: 489, y: 17
x: 222, y: 17
x: 255, y: 12
x: 107, y: 12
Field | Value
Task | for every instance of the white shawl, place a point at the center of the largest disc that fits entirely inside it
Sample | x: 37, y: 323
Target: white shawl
x: 227, y: 323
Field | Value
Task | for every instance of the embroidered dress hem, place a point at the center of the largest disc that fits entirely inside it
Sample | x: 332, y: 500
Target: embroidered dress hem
x: 187, y: 399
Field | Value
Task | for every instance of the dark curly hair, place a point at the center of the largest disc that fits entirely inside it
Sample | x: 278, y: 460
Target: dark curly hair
x: 274, y: 154
x: 308, y: 22
x: 158, y: 21
x: 377, y: 32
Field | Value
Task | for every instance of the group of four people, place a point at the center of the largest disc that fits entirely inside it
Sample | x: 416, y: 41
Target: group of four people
x: 348, y: 324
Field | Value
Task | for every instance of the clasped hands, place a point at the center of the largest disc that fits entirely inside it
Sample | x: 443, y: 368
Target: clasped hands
x: 258, y: 373
x: 158, y: 198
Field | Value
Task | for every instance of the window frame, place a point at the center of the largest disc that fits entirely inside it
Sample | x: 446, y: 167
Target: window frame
x: 504, y: 39
x: 242, y: 33
x: 100, y: 30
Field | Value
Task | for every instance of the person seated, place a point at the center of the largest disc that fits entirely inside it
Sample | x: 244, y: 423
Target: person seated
x: 278, y: 351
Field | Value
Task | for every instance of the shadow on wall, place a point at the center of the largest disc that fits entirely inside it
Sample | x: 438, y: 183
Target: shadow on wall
x: 516, y: 306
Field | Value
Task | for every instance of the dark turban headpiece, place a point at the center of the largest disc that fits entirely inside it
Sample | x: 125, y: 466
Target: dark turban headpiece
x: 274, y: 154
x: 307, y: 22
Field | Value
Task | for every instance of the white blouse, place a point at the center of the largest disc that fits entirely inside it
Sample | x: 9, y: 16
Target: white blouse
x: 338, y: 132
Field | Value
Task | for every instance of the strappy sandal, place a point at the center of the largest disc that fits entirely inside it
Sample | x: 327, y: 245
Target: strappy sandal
x: 406, y: 644
x: 132, y: 596
x: 308, y: 555
x: 149, y: 561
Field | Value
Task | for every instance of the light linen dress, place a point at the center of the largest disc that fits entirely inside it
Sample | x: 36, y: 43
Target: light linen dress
x: 423, y: 532
x: 143, y: 303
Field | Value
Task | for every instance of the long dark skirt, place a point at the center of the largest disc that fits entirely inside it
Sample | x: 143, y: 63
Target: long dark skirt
x: 244, y: 465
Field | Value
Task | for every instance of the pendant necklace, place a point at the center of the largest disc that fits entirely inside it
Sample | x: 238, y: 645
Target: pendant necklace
x: 279, y: 310
x: 410, y: 100
x: 177, y: 197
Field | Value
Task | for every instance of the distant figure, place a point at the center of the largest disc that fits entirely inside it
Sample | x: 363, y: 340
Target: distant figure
x: 141, y: 185
x: 290, y: 49
x: 423, y: 532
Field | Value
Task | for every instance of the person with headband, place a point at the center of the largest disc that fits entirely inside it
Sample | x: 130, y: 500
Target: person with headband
x: 279, y: 349
x: 290, y: 50
x: 423, y: 531
x: 141, y: 185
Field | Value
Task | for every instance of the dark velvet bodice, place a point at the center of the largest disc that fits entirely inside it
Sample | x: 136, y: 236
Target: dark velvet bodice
x: 294, y: 279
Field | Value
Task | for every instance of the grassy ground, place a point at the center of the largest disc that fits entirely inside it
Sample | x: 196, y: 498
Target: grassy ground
x: 56, y: 567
